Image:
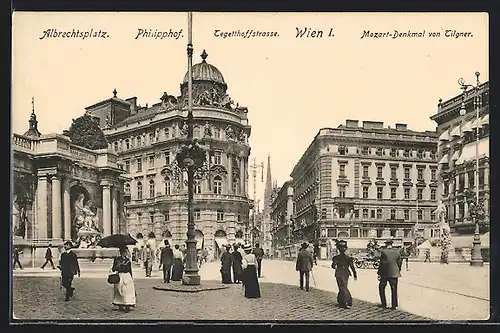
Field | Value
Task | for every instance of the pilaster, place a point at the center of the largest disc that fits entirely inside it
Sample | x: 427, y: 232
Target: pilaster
x: 42, y: 216
x: 56, y: 207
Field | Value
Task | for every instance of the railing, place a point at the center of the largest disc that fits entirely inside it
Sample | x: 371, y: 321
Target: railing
x: 21, y: 141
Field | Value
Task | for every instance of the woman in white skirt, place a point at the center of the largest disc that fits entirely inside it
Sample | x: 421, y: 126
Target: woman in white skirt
x: 124, y: 291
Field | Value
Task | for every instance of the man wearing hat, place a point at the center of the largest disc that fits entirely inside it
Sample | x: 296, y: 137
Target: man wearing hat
x: 389, y: 270
x: 166, y: 261
x: 342, y: 263
x: 226, y: 262
x: 68, y: 264
x: 304, y: 265
x: 259, y: 254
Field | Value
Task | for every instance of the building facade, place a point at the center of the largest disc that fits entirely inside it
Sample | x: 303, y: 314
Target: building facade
x: 52, y: 180
x: 147, y: 139
x: 282, y: 210
x: 457, y: 159
x: 366, y: 182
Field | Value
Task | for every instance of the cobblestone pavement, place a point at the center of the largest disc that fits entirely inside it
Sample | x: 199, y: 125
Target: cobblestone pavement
x: 39, y: 297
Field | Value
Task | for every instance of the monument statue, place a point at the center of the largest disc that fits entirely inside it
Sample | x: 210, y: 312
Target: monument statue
x: 86, y: 224
x: 444, y: 231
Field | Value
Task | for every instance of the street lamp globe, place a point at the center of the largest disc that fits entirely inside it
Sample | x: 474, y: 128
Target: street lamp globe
x: 462, y: 110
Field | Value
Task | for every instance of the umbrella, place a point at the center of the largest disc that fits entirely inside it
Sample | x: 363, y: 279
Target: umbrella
x: 117, y: 240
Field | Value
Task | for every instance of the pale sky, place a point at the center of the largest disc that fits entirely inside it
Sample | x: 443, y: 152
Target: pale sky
x: 291, y: 86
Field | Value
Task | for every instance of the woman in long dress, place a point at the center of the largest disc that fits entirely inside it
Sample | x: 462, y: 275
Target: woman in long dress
x: 249, y: 276
x: 123, y: 291
x: 237, y: 259
x: 178, y: 268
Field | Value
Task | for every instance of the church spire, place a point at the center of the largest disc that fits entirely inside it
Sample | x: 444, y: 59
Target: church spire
x: 269, y: 187
x: 33, y: 127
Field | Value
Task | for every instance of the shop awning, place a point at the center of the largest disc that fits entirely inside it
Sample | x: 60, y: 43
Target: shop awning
x: 473, y: 123
x: 469, y: 151
x: 455, y: 131
x: 221, y: 242
x: 485, y: 120
x: 455, y: 155
x: 444, y: 136
x: 465, y: 241
x: 444, y: 159
x: 467, y: 127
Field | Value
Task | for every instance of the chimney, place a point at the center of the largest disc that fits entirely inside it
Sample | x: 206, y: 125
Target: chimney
x: 401, y: 127
x: 373, y: 124
x: 351, y: 123
x: 133, y: 104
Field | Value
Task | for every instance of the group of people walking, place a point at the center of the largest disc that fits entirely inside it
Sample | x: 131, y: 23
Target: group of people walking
x: 245, y: 264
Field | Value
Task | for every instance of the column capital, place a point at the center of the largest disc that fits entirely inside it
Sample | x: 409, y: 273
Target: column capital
x: 55, y: 177
x: 106, y: 183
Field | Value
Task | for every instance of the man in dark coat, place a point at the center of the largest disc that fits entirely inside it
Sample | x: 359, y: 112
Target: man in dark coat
x: 259, y: 254
x: 68, y: 264
x: 389, y: 270
x: 48, y: 257
x: 166, y: 261
x: 226, y: 263
x: 343, y: 265
x: 304, y: 265
x: 237, y: 260
x: 16, y: 259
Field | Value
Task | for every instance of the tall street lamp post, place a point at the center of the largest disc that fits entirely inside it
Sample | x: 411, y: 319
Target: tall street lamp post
x: 191, y: 276
x: 476, y: 259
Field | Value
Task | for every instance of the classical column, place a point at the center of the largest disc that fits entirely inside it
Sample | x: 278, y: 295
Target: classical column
x: 466, y: 210
x: 122, y: 222
x: 42, y: 207
x: 230, y: 174
x: 242, y: 176
x: 457, y: 183
x: 457, y: 211
x: 56, y: 207
x: 106, y: 209
x: 466, y: 179
x: 66, y: 209
x: 114, y: 209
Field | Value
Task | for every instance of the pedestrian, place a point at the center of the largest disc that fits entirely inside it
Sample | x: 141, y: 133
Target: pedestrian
x: 249, y: 276
x: 149, y: 259
x: 204, y: 256
x: 68, y: 264
x: 178, y: 267
x: 142, y: 253
x: 259, y: 254
x: 166, y: 261
x: 389, y: 270
x: 343, y: 265
x: 124, y: 295
x: 427, y: 255
x: 316, y: 253
x: 237, y: 258
x: 405, y: 254
x: 48, y: 257
x: 16, y: 259
x: 226, y: 261
x: 304, y: 265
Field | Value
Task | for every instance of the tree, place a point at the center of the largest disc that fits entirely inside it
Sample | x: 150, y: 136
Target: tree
x: 85, y: 132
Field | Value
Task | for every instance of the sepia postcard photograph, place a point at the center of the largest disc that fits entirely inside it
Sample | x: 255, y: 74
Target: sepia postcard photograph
x: 271, y: 167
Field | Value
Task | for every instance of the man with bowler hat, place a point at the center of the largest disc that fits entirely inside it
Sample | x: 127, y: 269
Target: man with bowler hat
x: 166, y: 261
x: 343, y: 265
x: 389, y: 270
x: 304, y: 265
x: 68, y: 264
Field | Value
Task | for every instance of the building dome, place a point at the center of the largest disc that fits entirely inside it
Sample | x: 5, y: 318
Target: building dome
x: 203, y: 71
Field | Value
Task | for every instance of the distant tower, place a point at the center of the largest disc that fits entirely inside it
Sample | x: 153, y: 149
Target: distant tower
x: 33, y: 129
x: 269, y: 188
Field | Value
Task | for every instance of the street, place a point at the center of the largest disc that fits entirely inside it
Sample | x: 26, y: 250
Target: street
x: 427, y: 291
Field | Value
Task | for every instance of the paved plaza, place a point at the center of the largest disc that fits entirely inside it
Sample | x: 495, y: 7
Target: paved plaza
x: 427, y: 292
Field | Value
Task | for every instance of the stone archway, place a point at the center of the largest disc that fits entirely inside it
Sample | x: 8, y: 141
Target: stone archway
x: 22, y: 199
x: 167, y: 235
x: 200, y: 239
x: 343, y: 234
x: 239, y: 237
x: 220, y: 241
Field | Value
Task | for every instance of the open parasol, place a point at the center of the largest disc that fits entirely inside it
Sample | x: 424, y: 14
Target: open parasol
x: 117, y: 240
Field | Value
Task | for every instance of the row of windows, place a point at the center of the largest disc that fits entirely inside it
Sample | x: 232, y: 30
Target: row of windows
x: 143, y: 140
x: 394, y: 152
x: 216, y: 159
x: 461, y: 181
x: 217, y: 188
x: 376, y: 213
x: 380, y: 193
x: 380, y: 169
x: 196, y: 214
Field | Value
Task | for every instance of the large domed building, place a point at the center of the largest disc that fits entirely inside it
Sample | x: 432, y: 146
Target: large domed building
x: 147, y: 139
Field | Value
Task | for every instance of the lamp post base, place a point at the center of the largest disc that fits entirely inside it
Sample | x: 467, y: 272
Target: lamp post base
x: 191, y: 278
x: 476, y: 259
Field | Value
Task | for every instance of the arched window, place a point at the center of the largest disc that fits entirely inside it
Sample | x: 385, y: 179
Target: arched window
x: 116, y: 146
x: 127, y: 144
x: 127, y: 188
x: 217, y: 133
x: 236, y: 186
x: 139, y: 141
x: 239, y: 234
x: 197, y: 188
x: 196, y: 132
x: 139, y: 191
x: 151, y: 138
x: 167, y: 133
x: 151, y: 188
x: 167, y: 186
x: 217, y: 185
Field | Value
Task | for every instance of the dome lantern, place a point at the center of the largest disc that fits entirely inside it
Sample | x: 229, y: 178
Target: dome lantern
x: 204, y: 71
